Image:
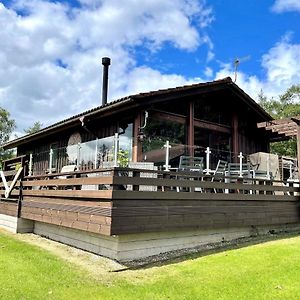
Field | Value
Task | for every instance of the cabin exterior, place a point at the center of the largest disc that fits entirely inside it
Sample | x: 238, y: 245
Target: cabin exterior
x: 110, y: 205
x: 217, y: 114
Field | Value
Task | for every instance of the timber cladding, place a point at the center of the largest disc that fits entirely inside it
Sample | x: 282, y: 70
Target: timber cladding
x: 88, y: 216
x: 135, y: 216
x: 8, y: 207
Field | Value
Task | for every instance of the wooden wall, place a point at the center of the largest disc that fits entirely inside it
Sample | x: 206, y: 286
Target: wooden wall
x: 9, y: 208
x: 134, y: 216
x: 84, y: 215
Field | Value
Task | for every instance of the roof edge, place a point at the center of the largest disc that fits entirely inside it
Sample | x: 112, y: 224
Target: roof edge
x: 125, y: 100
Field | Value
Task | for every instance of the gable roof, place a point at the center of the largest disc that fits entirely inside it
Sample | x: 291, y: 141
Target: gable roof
x: 137, y: 100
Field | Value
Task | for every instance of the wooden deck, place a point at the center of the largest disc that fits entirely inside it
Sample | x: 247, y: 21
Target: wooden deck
x: 121, y: 201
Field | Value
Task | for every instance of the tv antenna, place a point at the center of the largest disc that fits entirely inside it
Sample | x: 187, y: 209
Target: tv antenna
x: 236, y: 64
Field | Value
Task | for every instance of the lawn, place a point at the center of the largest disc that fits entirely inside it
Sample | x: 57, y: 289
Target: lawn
x: 269, y: 270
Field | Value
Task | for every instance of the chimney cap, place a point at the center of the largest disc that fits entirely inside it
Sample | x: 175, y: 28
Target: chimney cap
x: 105, y: 61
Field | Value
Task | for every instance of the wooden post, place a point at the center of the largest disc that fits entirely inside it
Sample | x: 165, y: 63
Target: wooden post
x: 298, y: 149
x: 298, y: 144
x: 191, y: 132
x: 235, y: 136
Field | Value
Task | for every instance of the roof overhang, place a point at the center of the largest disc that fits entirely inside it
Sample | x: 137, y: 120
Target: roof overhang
x: 72, y: 122
x: 140, y: 100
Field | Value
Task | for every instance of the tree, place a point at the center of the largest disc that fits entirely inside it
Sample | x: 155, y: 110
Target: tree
x: 34, y: 128
x: 7, y: 126
x: 287, y: 105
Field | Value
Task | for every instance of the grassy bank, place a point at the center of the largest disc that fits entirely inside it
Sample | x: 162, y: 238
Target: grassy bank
x: 266, y: 271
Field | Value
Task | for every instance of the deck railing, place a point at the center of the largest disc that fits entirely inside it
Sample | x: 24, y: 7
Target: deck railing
x: 137, y: 183
x: 123, y: 200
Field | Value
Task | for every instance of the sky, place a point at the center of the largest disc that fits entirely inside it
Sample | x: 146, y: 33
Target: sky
x: 50, y: 51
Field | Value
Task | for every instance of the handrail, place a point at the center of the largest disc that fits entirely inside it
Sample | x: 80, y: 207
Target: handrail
x: 103, y: 183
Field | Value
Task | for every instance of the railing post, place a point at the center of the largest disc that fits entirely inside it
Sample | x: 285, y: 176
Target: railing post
x: 96, y: 154
x: 30, y: 164
x: 268, y: 167
x: 290, y: 170
x: 116, y: 149
x: 167, y: 146
x: 136, y: 174
x: 50, y: 161
x: 208, y: 152
x: 78, y: 156
x: 241, y: 164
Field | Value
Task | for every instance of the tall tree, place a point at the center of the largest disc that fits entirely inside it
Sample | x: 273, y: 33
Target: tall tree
x: 7, y: 125
x: 285, y: 106
x: 34, y: 128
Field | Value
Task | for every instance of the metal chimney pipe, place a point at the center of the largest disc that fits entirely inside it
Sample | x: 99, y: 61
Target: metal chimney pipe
x: 105, y: 63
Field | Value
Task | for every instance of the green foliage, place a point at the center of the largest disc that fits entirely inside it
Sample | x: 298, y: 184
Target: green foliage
x: 34, y: 128
x: 7, y: 125
x: 285, y: 106
x: 123, y: 158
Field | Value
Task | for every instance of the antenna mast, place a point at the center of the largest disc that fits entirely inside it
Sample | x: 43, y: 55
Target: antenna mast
x: 236, y: 64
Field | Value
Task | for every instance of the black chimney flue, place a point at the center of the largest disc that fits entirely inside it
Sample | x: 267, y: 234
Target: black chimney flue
x: 105, y: 63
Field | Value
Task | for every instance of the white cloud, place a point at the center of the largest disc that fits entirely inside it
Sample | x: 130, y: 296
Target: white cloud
x: 282, y: 64
x: 144, y: 79
x: 286, y: 5
x: 50, y: 53
x: 208, y: 72
x: 282, y: 69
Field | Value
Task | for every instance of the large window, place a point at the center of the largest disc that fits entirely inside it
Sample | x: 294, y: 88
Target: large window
x: 219, y: 143
x: 157, y: 132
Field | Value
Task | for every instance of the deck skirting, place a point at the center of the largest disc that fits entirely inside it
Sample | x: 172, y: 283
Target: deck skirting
x: 129, y: 247
x: 15, y: 224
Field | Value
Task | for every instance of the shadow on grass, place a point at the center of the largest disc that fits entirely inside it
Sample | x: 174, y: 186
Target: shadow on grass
x: 177, y: 256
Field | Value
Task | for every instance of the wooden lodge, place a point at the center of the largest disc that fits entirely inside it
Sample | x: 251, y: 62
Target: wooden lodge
x: 111, y: 180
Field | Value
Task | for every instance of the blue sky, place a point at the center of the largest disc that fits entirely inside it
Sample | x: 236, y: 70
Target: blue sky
x: 50, y: 51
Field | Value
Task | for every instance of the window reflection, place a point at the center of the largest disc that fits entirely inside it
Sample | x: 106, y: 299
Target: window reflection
x: 92, y: 154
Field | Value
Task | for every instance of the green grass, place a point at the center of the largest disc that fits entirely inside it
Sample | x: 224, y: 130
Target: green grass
x: 267, y: 271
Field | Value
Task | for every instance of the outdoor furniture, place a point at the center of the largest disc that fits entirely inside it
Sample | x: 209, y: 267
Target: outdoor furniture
x: 239, y: 172
x: 66, y: 169
x: 261, y: 174
x: 191, y: 163
x: 219, y: 172
x: 263, y: 178
x: 235, y: 170
x: 293, y: 183
x: 146, y: 166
